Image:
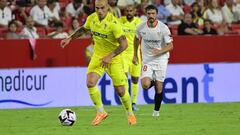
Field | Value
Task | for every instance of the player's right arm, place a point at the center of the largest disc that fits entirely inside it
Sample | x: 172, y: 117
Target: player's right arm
x: 77, y: 33
x: 122, y: 46
x: 136, y: 43
x: 135, y: 53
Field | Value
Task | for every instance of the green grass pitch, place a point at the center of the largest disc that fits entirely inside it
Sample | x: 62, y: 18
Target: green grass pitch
x: 175, y: 119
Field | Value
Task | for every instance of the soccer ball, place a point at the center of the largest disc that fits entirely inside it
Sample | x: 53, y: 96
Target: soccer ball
x: 67, y: 117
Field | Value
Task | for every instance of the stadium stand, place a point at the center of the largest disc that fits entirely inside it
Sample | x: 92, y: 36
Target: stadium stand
x: 41, y: 32
x: 3, y: 32
x: 233, y: 29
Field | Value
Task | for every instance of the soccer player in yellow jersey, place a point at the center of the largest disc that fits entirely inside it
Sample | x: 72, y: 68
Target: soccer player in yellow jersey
x: 109, y: 43
x: 129, y: 24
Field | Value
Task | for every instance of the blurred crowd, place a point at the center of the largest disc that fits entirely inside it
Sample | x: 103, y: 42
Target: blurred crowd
x: 21, y: 19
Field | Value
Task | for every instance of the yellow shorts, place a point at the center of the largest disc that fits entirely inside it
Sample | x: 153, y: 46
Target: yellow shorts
x: 115, y: 70
x: 129, y: 67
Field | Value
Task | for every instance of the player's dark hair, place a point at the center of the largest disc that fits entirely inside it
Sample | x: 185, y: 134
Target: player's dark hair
x: 151, y: 7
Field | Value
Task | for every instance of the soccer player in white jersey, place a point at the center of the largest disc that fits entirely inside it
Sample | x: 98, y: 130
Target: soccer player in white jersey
x: 156, y: 42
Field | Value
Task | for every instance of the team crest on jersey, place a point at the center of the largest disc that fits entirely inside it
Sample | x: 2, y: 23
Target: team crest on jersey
x: 115, y: 22
x: 104, y: 26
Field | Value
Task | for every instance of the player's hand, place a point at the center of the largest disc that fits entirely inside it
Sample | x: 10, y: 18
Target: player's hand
x: 64, y: 42
x: 156, y: 52
x: 135, y: 60
x: 105, y: 61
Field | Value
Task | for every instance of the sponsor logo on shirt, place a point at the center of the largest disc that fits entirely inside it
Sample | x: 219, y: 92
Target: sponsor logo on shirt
x: 99, y: 34
x: 151, y: 41
x: 129, y: 31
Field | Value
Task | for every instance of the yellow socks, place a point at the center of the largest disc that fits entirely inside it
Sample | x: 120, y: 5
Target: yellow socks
x: 134, y: 92
x: 126, y: 101
x: 96, y: 98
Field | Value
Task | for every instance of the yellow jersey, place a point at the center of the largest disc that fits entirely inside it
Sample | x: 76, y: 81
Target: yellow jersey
x: 129, y: 29
x: 104, y: 33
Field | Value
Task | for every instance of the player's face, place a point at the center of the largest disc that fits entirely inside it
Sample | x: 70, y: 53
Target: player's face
x: 151, y: 15
x: 130, y: 12
x: 101, y: 7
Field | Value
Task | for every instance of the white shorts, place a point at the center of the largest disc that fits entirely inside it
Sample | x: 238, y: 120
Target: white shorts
x: 155, y: 71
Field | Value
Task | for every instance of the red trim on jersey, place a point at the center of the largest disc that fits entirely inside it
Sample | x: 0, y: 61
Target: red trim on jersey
x: 154, y: 22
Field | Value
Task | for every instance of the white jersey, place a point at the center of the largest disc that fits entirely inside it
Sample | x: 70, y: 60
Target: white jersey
x: 151, y: 38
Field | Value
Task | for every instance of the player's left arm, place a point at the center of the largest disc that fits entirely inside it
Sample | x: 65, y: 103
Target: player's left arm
x: 121, y: 38
x: 168, y: 43
x: 123, y: 46
x: 136, y: 44
x: 168, y: 47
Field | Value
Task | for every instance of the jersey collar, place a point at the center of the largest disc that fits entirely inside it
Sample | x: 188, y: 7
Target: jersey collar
x: 103, y: 20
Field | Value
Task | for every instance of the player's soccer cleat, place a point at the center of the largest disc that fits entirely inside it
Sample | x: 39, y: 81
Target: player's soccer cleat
x: 99, y: 118
x: 134, y: 107
x: 155, y: 113
x: 132, y: 120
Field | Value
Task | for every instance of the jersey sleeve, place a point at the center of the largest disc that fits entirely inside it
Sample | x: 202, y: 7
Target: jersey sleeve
x: 87, y: 23
x: 167, y: 35
x: 117, y: 29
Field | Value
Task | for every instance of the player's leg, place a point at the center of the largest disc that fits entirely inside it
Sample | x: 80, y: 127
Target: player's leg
x: 158, y: 97
x: 146, y: 77
x: 126, y: 67
x: 135, y: 71
x: 134, y: 88
x: 160, y: 76
x: 116, y: 72
x: 93, y: 74
x: 126, y: 85
x: 93, y: 90
x: 126, y: 101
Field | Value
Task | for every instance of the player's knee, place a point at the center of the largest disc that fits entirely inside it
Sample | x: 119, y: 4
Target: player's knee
x: 145, y: 86
x: 120, y: 91
x: 134, y: 80
x: 90, y: 83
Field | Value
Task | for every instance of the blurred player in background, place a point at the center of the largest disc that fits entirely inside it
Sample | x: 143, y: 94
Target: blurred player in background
x: 109, y: 43
x: 129, y: 24
x: 156, y: 42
